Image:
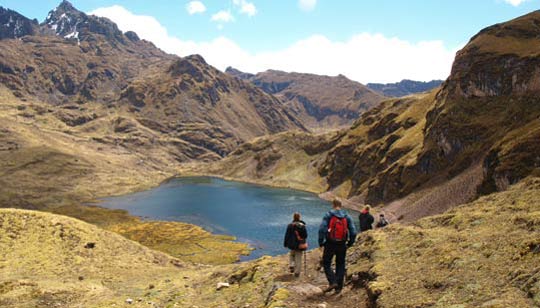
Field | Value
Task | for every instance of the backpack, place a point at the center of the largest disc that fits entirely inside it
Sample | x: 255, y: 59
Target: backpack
x: 302, y: 244
x: 338, y: 229
x: 294, y: 240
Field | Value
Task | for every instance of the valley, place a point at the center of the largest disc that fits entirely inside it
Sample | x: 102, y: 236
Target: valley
x: 89, y: 112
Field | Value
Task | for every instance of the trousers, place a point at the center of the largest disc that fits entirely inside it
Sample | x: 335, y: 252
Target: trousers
x: 295, y: 260
x: 339, y: 250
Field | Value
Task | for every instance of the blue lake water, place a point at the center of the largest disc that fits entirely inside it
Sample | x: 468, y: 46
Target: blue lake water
x: 257, y: 215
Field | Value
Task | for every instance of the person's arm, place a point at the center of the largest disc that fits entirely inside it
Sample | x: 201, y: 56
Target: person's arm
x: 371, y: 221
x: 287, y: 234
x: 352, y: 231
x: 323, y: 229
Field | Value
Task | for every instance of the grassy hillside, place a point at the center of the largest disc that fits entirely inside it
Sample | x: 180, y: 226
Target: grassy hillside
x: 50, y: 166
x: 288, y: 159
x: 456, y: 259
x: 482, y: 254
x: 49, y: 260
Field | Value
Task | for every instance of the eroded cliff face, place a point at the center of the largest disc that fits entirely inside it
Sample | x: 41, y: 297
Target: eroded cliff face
x: 485, y: 113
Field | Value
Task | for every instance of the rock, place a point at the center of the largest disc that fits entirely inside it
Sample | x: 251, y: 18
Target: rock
x: 307, y: 290
x: 129, y: 301
x: 322, y: 305
x: 222, y: 285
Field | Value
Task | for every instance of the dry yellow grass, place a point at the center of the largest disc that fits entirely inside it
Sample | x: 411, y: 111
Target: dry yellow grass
x: 47, y: 165
x: 482, y: 254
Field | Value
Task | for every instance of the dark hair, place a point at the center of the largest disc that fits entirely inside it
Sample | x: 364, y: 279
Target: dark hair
x: 296, y: 216
x: 336, y: 203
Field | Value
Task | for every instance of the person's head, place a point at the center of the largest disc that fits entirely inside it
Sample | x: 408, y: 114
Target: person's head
x: 336, y: 204
x: 296, y: 216
x: 367, y: 208
x: 381, y: 215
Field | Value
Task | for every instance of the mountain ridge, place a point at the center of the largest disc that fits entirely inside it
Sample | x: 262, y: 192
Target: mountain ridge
x: 319, y: 101
x: 77, y: 59
x: 404, y: 87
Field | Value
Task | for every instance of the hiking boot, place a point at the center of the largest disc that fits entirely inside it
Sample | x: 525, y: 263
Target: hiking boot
x: 296, y: 274
x: 330, y: 288
x: 338, y: 290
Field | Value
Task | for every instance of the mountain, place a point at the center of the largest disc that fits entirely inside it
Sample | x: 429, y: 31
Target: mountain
x: 414, y: 156
x: 88, y: 111
x: 96, y: 79
x: 425, y: 153
x: 321, y: 102
x: 14, y: 25
x: 404, y: 87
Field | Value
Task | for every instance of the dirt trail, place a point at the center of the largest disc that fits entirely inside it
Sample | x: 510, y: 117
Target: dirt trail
x: 351, y: 296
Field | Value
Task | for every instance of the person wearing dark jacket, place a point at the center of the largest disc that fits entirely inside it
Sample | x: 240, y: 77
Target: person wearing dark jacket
x: 366, y: 219
x: 382, y: 221
x: 336, y: 233
x: 295, y: 240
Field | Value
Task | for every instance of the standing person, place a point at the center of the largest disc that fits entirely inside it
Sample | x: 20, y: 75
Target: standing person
x: 382, y: 221
x: 366, y: 219
x: 295, y: 240
x: 336, y: 233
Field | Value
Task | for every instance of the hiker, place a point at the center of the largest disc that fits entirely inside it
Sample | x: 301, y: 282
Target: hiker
x: 382, y: 221
x: 336, y: 233
x: 366, y: 219
x: 295, y: 240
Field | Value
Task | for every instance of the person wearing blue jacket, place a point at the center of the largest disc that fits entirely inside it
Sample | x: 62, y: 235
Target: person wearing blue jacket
x: 336, y: 233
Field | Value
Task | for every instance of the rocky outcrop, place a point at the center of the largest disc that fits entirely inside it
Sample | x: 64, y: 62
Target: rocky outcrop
x: 486, y: 112
x: 238, y: 74
x: 68, y: 22
x: 13, y: 25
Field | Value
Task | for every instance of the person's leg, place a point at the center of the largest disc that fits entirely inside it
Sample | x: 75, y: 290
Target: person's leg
x: 328, y: 254
x: 291, y: 261
x: 297, y: 262
x: 341, y: 251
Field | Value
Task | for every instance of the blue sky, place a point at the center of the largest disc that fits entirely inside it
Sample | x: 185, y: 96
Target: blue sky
x: 380, y: 41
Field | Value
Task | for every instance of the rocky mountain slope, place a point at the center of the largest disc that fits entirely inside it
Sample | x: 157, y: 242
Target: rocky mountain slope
x: 14, y: 25
x: 321, y: 102
x: 425, y: 153
x: 75, y: 60
x: 404, y: 87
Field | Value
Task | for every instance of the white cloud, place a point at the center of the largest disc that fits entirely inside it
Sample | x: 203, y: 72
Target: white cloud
x: 365, y: 57
x: 246, y: 7
x: 195, y: 7
x: 223, y: 16
x: 307, y: 5
x: 515, y: 2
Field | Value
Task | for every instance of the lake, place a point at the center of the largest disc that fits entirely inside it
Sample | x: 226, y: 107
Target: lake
x: 254, y: 214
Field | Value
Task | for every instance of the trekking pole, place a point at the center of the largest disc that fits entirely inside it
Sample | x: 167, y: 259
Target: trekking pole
x: 305, y: 263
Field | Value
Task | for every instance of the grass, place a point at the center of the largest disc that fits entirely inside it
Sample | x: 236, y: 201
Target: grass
x: 459, y: 258
x: 49, y: 166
